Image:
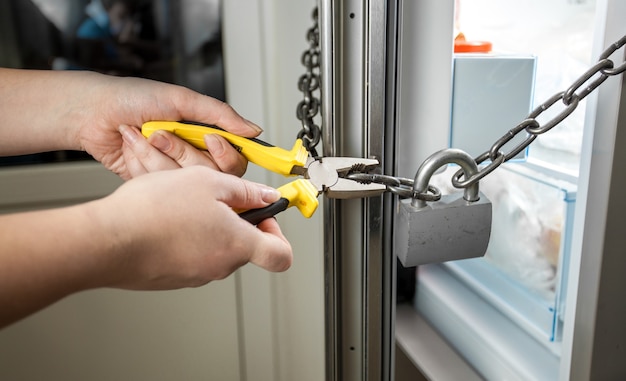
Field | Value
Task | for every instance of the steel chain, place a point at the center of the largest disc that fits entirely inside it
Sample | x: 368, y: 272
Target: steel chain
x: 309, y: 108
x: 400, y: 186
x: 309, y: 85
x: 570, y: 98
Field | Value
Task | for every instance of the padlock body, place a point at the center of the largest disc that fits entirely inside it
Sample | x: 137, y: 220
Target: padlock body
x: 446, y: 230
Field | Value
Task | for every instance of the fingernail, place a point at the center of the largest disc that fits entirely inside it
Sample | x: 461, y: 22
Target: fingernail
x: 129, y: 134
x: 270, y: 195
x: 253, y: 126
x: 161, y: 142
x: 213, y: 145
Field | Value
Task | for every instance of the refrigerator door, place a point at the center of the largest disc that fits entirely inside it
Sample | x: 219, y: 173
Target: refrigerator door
x: 548, y: 281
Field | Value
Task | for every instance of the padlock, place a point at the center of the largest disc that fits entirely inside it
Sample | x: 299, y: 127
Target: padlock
x: 458, y: 226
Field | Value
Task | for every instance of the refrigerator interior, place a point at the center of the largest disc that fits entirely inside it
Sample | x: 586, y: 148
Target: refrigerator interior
x: 504, y: 313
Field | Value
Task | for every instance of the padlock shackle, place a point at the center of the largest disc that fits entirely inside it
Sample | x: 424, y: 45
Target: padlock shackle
x: 436, y: 161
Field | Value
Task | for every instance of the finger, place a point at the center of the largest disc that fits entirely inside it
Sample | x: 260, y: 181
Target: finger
x: 150, y: 157
x: 243, y: 194
x: 274, y: 253
x: 225, y: 157
x: 183, y: 153
x: 201, y: 108
x: 133, y: 166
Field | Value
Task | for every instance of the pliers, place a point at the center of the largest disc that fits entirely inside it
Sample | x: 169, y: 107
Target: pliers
x: 321, y: 175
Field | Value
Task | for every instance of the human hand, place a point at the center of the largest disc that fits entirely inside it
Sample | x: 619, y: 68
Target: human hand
x: 109, y: 128
x: 177, y: 229
x: 87, y: 114
x: 163, y: 150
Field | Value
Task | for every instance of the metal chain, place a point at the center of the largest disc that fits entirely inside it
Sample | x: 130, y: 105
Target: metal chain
x: 309, y: 108
x: 309, y: 85
x: 400, y: 186
x: 571, y: 97
x: 311, y: 134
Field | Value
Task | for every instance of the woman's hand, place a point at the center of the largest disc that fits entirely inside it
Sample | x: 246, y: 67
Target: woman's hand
x: 163, y: 150
x: 164, y: 230
x: 113, y: 135
x: 78, y: 110
x: 177, y: 229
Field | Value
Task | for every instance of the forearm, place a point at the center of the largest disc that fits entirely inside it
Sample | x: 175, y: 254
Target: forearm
x: 47, y: 255
x: 41, y: 110
x: 162, y: 230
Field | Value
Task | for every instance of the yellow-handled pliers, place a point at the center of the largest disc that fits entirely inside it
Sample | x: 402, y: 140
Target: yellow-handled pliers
x: 321, y: 175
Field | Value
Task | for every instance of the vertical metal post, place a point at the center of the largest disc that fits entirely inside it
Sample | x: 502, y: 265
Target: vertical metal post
x: 359, y: 265
x: 328, y: 33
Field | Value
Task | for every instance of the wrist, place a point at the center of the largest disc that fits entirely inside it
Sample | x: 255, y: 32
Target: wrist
x: 35, y: 117
x: 111, y: 245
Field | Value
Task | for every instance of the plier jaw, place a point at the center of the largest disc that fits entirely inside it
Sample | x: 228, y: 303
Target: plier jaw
x: 328, y: 175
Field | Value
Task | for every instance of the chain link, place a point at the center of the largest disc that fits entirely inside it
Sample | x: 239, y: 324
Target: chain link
x: 570, y: 98
x: 400, y: 186
x: 309, y: 85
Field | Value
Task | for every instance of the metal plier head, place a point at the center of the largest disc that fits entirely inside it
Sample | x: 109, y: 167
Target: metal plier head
x: 328, y: 175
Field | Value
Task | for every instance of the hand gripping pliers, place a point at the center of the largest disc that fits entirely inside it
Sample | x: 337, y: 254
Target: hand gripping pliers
x: 321, y: 175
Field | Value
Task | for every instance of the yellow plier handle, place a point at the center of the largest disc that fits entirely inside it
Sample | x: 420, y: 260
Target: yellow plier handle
x: 272, y: 158
x: 299, y: 193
